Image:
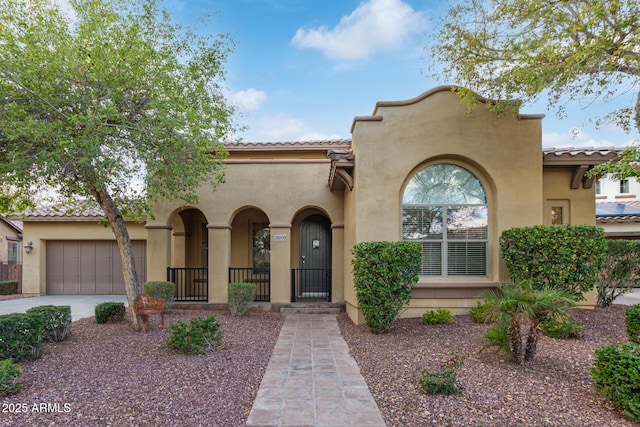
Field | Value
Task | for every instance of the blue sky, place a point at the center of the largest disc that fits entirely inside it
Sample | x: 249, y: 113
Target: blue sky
x: 303, y: 69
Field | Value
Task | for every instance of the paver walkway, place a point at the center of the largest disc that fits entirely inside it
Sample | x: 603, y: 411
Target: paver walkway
x: 311, y: 379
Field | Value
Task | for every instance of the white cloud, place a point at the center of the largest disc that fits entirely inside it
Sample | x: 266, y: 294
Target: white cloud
x: 375, y: 26
x: 282, y: 128
x: 249, y: 99
x: 578, y: 138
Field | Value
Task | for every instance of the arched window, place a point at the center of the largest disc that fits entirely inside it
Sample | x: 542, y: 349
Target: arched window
x: 445, y: 208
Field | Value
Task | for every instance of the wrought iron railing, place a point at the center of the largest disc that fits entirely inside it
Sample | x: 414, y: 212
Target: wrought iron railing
x: 260, y: 276
x: 310, y: 284
x: 192, y: 284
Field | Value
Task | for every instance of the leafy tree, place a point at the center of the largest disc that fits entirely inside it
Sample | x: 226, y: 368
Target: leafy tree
x: 565, y: 49
x: 93, y: 103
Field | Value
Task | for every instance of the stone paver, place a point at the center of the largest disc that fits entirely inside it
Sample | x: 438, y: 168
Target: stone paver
x: 311, y: 379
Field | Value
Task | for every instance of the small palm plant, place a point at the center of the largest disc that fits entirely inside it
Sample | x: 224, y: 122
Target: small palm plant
x: 518, y: 309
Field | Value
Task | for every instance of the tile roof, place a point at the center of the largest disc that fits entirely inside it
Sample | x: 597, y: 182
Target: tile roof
x: 289, y: 144
x: 617, y: 212
x: 14, y: 223
x: 77, y: 211
x: 588, y: 151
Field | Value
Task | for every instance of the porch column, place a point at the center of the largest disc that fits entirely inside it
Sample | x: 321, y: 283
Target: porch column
x: 337, y: 263
x: 280, y: 263
x: 158, y: 251
x: 219, y: 261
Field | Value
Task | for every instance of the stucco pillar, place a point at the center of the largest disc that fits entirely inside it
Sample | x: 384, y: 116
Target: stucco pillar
x: 158, y: 251
x: 280, y: 263
x: 337, y: 263
x: 178, y: 252
x: 219, y: 262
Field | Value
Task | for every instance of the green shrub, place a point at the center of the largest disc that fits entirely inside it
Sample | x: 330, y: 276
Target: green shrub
x: 162, y: 290
x: 201, y: 336
x: 616, y: 372
x: 240, y: 297
x: 8, y: 287
x: 444, y: 379
x: 632, y: 320
x: 56, y: 320
x: 562, y: 328
x: 20, y: 336
x: 478, y: 313
x: 437, y: 317
x: 383, y: 275
x: 10, y: 377
x: 564, y: 257
x: 109, y: 312
x: 620, y: 272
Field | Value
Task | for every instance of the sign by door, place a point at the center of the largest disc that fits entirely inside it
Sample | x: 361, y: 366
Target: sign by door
x: 279, y: 237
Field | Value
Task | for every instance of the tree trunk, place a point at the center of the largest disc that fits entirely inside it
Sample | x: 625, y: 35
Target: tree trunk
x: 123, y: 240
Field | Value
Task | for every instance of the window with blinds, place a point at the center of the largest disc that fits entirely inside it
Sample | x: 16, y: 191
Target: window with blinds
x: 444, y: 208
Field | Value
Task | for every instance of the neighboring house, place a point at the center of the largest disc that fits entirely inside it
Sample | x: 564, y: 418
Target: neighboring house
x: 618, y: 207
x: 10, y: 249
x: 288, y: 214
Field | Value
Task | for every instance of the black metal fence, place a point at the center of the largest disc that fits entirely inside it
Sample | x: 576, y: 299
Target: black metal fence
x: 192, y: 284
x: 310, y: 284
x: 260, y: 276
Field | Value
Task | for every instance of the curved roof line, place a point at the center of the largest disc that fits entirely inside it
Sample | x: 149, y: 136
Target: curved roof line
x: 425, y: 95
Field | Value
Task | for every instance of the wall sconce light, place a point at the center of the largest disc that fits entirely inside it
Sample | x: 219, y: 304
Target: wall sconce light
x: 28, y: 247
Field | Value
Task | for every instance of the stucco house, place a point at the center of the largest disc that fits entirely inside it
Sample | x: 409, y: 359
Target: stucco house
x: 10, y: 249
x: 288, y: 214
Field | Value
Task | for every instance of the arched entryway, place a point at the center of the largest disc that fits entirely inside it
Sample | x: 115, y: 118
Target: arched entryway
x: 312, y: 279
x: 189, y: 255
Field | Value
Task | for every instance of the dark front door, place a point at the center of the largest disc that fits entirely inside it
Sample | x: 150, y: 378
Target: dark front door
x: 315, y: 257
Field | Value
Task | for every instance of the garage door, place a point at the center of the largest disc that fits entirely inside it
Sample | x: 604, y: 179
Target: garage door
x: 76, y: 267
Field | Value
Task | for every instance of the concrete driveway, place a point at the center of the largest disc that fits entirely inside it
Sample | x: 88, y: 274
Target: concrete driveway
x: 81, y: 305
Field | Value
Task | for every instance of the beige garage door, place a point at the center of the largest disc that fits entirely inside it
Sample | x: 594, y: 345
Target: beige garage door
x: 76, y: 267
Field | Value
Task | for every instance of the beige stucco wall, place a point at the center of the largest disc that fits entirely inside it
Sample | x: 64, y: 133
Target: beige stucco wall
x: 281, y: 190
x: 505, y: 153
x: 34, y: 270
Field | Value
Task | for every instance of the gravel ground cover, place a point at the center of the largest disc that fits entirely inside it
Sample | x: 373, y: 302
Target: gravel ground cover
x: 555, y: 389
x: 109, y: 375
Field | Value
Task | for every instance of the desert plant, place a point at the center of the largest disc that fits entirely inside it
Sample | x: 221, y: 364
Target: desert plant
x: 10, y: 377
x: 632, y: 321
x: 443, y: 379
x: 241, y: 295
x: 20, y: 336
x: 616, y: 374
x: 201, y: 336
x: 620, y: 272
x: 562, y: 328
x: 518, y: 309
x: 161, y: 290
x: 478, y: 313
x: 437, y: 317
x: 383, y: 275
x: 565, y: 257
x: 56, y: 320
x: 109, y: 312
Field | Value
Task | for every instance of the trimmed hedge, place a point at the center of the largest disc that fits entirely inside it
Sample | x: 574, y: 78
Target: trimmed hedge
x: 162, y: 290
x: 616, y: 372
x: 567, y: 257
x: 383, y: 275
x: 109, y: 312
x: 8, y: 287
x: 241, y: 295
x: 20, y: 336
x: 437, y: 317
x: 632, y: 320
x: 56, y: 320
